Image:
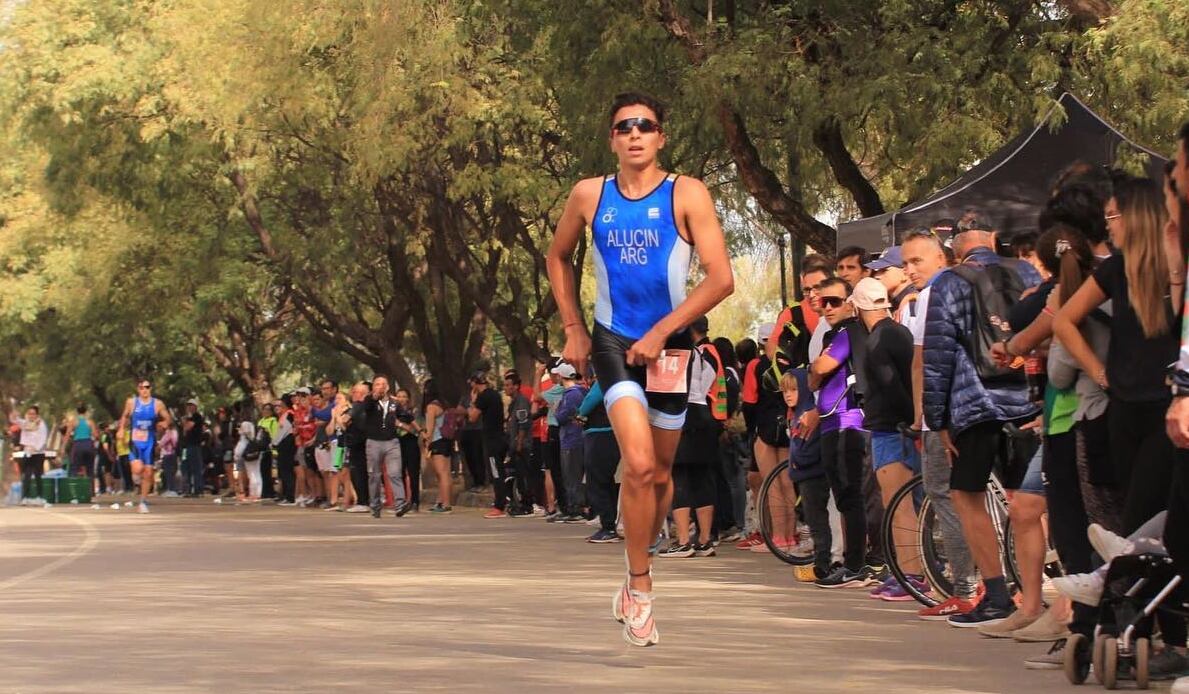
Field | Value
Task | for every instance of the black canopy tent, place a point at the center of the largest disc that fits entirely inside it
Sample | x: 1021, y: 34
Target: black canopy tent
x: 1011, y: 185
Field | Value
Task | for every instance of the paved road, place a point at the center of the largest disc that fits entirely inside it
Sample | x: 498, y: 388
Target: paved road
x: 201, y: 598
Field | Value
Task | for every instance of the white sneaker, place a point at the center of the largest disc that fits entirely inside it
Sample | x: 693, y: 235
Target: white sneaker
x: 538, y: 510
x: 1108, y: 544
x: 143, y: 508
x: 171, y: 494
x: 594, y: 521
x: 358, y: 508
x: 1082, y: 588
x: 1180, y: 686
x: 804, y: 548
x: 115, y: 506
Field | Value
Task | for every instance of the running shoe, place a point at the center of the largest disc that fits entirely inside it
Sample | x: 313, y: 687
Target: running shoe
x: 1167, y: 664
x: 639, y: 627
x: 1047, y: 628
x: 803, y: 548
x: 494, y: 514
x: 732, y: 535
x: 333, y: 508
x: 401, y: 509
x: 1081, y: 588
x: 897, y: 593
x: 784, y: 544
x: 706, y: 550
x: 288, y: 503
x: 884, y: 587
x: 538, y: 510
x: 520, y: 512
x: 142, y: 508
x: 574, y: 519
x: 1004, y: 630
x: 553, y: 517
x: 438, y: 508
x: 750, y: 541
x: 677, y: 551
x: 603, y: 537
x: 982, y: 615
x: 1108, y: 544
x: 358, y: 508
x: 656, y: 546
x: 944, y: 610
x: 846, y: 578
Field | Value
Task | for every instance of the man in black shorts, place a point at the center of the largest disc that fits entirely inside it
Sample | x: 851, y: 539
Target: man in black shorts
x: 645, y: 224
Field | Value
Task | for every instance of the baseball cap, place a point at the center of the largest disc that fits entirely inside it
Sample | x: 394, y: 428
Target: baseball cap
x: 302, y: 391
x: 565, y: 370
x: 891, y: 257
x: 192, y: 401
x: 766, y: 332
x: 870, y: 295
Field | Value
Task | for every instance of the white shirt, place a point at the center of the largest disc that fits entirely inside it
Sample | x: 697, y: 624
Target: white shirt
x: 34, y: 435
x: 817, y: 339
x: 916, y: 324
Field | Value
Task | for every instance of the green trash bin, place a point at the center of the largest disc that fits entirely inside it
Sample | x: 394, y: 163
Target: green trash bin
x: 50, y: 488
x: 74, y: 489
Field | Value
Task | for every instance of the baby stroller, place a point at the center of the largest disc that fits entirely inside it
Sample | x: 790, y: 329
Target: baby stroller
x: 1137, y: 586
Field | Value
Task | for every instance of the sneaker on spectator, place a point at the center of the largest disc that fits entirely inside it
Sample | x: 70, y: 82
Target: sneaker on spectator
x: 1181, y: 686
x: 843, y: 577
x: 142, y: 508
x: 358, y: 508
x: 603, y: 537
x: 287, y: 503
x: 944, y: 610
x: 750, y: 541
x: 1004, y: 630
x: 538, y: 510
x: 573, y: 519
x: 706, y: 550
x: 732, y: 535
x: 1053, y: 659
x: 803, y: 548
x: 983, y: 615
x: 494, y: 513
x: 594, y: 522
x: 897, y: 592
x: 877, y: 592
x: 677, y: 551
x: 656, y: 545
x: 439, y: 509
x: 171, y: 494
x: 1047, y: 628
x: 553, y: 516
x: 1081, y: 588
x: 328, y: 507
x: 784, y: 544
x: 520, y: 512
x: 1108, y: 544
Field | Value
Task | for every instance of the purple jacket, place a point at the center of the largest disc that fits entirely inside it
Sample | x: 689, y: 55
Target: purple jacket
x: 570, y: 430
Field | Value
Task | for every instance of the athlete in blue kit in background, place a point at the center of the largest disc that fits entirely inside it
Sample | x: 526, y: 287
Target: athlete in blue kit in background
x: 644, y: 223
x: 144, y: 414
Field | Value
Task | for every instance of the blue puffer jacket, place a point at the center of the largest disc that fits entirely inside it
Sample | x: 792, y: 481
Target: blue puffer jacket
x: 954, y: 397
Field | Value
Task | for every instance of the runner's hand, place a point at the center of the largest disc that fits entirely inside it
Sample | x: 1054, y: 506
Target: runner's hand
x: 646, y: 350
x: 577, y: 350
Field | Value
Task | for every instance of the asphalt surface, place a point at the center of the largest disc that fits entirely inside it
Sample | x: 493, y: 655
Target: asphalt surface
x: 198, y: 597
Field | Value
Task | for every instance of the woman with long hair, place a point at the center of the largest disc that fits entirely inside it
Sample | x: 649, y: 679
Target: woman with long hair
x: 439, y: 447
x: 410, y: 447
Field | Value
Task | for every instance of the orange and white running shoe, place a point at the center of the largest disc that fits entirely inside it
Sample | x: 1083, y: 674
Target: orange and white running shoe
x: 634, y: 609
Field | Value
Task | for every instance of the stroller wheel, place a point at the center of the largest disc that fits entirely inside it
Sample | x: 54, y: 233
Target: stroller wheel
x: 1077, y: 658
x: 1110, y: 662
x: 1143, y: 651
x: 1097, y: 659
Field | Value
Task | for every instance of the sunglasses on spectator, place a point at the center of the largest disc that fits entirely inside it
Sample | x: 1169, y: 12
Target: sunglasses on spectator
x: 832, y: 301
x: 145, y: 385
x: 644, y: 125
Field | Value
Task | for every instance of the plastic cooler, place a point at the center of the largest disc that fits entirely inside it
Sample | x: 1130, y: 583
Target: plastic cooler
x: 63, y: 490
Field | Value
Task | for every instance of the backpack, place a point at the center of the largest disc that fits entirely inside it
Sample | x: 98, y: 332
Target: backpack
x: 794, y: 339
x: 995, y: 289
x: 452, y: 422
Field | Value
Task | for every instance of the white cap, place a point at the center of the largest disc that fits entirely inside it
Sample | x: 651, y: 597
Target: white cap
x: 870, y: 295
x: 564, y: 370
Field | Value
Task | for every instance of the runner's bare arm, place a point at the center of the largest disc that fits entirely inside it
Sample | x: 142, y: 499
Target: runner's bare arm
x: 570, y: 228
x: 695, y: 211
x: 124, y: 419
x: 163, y: 413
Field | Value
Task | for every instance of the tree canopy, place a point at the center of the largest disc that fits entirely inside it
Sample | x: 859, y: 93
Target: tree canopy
x: 239, y: 196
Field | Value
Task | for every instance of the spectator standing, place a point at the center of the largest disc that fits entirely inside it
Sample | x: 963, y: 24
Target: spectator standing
x: 553, y: 475
x: 383, y: 450
x: 602, y: 460
x: 285, y: 444
x: 410, y: 447
x: 167, y: 446
x: 34, y: 436
x: 439, y: 447
x: 351, y: 420
x: 969, y: 415
x: 570, y: 442
x: 81, y: 434
x: 488, y: 408
x: 269, y: 424
x: 470, y: 443
x: 518, y: 428
x: 193, y: 465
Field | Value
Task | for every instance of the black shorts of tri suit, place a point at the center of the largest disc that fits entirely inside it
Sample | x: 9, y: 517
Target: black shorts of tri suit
x: 444, y: 447
x: 618, y: 379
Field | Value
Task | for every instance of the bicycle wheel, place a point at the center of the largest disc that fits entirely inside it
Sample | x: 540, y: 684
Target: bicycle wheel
x: 776, y: 508
x: 901, y: 552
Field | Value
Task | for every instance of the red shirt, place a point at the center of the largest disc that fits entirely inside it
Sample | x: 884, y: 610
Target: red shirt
x: 750, y: 391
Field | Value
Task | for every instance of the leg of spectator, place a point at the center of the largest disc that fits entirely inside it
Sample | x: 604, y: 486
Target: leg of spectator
x: 935, y: 471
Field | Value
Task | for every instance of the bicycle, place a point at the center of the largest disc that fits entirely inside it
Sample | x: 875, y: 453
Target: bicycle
x: 770, y: 512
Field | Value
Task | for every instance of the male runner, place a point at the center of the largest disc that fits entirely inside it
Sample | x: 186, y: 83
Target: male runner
x: 645, y: 223
x: 144, y: 415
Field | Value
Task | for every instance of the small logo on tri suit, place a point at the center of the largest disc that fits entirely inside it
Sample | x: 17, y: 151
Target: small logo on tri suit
x: 609, y: 215
x: 654, y: 213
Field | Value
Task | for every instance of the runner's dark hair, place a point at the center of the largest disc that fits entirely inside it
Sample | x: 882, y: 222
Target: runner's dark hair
x: 850, y: 251
x: 625, y: 99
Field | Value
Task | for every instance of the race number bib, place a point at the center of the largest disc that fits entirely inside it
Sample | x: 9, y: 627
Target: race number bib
x: 667, y: 375
x: 140, y: 435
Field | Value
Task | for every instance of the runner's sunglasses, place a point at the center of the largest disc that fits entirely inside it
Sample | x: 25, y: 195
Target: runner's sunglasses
x: 645, y: 125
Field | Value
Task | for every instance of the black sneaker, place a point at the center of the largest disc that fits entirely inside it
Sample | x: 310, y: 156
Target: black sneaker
x: 603, y: 537
x: 376, y: 511
x: 706, y: 550
x: 520, y: 512
x: 401, y: 509
x: 678, y: 551
x: 573, y: 518
x: 843, y: 577
x: 982, y: 615
x: 555, y: 517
